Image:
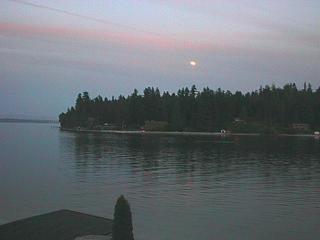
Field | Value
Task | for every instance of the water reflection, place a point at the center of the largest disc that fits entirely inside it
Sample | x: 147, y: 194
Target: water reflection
x: 209, y: 155
x: 179, y: 187
x: 203, y: 186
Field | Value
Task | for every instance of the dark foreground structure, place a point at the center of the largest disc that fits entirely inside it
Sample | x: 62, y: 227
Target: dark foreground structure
x: 59, y: 225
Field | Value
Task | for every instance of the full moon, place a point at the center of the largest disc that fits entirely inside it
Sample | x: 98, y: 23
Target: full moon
x: 193, y: 63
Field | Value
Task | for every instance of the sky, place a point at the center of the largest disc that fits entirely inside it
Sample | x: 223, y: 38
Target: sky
x: 52, y: 50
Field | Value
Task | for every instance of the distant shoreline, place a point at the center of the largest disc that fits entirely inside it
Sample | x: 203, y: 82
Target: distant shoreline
x: 15, y: 120
x: 133, y: 132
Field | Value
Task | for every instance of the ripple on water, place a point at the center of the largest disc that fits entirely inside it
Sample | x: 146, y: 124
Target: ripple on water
x: 178, y: 187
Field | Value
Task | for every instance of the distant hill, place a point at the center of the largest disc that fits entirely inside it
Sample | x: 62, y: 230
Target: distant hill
x: 15, y: 120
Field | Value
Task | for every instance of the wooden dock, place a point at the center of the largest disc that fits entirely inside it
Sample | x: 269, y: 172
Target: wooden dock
x: 58, y: 225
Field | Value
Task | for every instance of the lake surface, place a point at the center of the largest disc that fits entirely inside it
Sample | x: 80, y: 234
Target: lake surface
x: 180, y: 188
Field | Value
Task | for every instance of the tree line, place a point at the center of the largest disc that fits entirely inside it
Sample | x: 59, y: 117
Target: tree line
x: 269, y: 108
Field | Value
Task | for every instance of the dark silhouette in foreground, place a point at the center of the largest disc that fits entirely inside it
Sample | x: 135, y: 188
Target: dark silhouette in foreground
x: 62, y: 224
x: 122, y: 222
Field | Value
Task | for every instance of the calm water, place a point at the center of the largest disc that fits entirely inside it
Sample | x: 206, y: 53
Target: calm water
x: 178, y: 187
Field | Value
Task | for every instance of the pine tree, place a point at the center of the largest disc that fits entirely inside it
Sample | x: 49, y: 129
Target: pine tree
x: 122, y: 221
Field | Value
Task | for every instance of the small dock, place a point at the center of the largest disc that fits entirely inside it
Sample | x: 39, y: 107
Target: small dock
x: 58, y: 225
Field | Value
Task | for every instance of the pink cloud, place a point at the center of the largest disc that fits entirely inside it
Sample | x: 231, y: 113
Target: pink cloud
x: 234, y: 43
x: 275, y: 27
x: 132, y: 39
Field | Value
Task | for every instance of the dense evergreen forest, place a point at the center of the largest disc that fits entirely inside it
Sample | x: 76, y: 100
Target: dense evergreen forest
x: 269, y: 109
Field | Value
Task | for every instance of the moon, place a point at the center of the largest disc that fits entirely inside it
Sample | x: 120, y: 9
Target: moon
x: 193, y: 63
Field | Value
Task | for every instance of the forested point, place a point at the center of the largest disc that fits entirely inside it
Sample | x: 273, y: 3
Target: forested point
x: 268, y: 110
